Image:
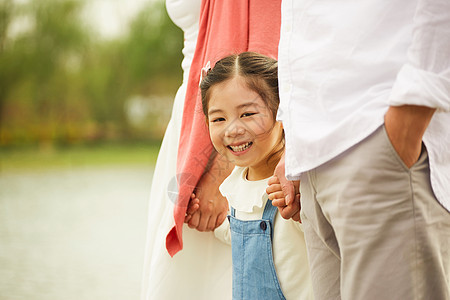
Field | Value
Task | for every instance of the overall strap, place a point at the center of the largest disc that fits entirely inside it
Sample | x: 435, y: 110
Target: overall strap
x: 269, y: 211
x: 269, y: 214
x: 233, y: 211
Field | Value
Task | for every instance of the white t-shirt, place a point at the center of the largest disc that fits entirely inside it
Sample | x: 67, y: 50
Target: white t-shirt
x: 343, y: 63
x: 289, y: 250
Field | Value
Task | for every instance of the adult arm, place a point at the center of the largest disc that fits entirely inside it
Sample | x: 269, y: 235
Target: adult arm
x: 405, y: 126
x: 423, y: 83
x: 212, y: 206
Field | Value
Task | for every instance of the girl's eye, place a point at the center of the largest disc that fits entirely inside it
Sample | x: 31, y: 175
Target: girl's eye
x: 215, y: 120
x: 248, y: 114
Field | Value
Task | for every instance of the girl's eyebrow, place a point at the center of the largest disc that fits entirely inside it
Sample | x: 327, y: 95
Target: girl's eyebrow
x: 246, y: 104
x: 213, y: 111
x: 249, y: 103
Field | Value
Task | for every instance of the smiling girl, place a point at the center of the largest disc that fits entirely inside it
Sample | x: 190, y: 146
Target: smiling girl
x: 240, y: 102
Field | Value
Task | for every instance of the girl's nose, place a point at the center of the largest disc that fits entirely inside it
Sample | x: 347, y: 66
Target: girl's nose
x: 234, y: 129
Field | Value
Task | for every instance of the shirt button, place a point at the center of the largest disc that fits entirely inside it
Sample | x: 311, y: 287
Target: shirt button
x: 263, y: 225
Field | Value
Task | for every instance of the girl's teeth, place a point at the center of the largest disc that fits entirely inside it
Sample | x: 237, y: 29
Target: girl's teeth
x: 240, y: 147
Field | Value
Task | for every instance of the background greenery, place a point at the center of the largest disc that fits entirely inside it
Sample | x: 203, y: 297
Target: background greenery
x: 61, y: 84
x: 81, y: 119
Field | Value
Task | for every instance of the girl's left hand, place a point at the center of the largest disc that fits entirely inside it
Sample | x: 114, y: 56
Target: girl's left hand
x: 275, y: 192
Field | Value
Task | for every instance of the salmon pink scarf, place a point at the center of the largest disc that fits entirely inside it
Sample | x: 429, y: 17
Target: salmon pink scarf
x: 226, y: 27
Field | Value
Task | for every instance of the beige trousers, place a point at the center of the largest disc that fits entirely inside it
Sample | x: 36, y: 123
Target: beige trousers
x: 373, y: 227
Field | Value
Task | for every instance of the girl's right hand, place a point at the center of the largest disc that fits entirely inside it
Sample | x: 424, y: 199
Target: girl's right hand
x: 193, y: 206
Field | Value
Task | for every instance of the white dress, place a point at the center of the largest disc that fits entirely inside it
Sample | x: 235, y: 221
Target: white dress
x: 202, y: 270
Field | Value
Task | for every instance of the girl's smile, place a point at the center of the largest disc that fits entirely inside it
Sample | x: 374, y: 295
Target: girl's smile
x: 242, y: 127
x: 240, y: 149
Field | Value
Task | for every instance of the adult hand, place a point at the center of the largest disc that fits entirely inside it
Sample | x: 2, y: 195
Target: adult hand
x: 284, y: 193
x: 405, y: 127
x: 212, y: 206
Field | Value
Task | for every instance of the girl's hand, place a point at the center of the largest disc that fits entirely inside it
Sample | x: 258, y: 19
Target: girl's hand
x: 281, y: 191
x: 192, y: 208
x: 209, y: 210
x: 212, y: 206
x: 286, y: 186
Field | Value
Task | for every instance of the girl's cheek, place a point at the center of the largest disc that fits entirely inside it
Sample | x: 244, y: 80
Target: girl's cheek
x: 214, y: 136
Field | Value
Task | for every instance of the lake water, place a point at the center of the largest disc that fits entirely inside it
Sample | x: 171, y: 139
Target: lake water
x: 73, y: 234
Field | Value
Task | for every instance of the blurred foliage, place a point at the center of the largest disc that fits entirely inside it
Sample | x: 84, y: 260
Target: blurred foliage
x: 61, y: 84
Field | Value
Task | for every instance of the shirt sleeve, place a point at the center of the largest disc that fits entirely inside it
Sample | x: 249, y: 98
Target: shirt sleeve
x: 425, y: 78
x: 223, y: 232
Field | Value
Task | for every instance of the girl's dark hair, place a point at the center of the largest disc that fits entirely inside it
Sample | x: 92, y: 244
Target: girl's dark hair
x: 260, y: 74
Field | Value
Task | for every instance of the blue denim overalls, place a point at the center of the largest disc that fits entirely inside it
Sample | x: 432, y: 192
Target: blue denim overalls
x: 254, y: 275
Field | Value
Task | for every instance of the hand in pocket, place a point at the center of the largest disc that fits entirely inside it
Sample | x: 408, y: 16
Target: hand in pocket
x: 405, y: 126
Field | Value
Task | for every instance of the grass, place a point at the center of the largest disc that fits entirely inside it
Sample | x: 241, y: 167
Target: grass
x: 24, y: 159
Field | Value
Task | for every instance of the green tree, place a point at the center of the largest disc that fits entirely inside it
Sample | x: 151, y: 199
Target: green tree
x: 34, y: 74
x: 61, y: 83
x: 145, y: 62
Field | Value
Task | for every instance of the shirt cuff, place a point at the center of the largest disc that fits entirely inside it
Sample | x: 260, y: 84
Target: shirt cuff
x: 418, y: 87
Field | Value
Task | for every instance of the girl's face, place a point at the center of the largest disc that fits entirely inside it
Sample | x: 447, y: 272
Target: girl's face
x: 242, y: 128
